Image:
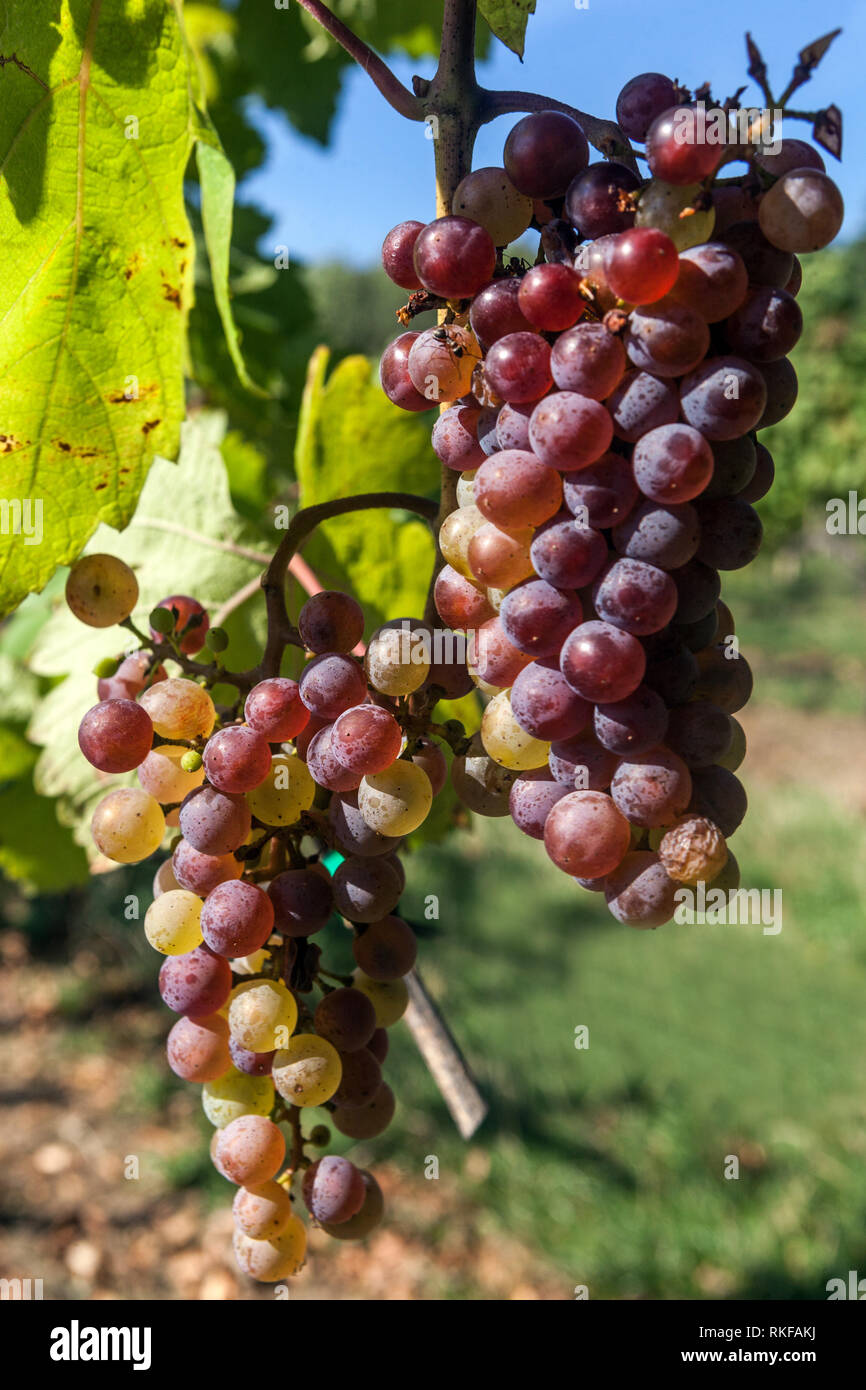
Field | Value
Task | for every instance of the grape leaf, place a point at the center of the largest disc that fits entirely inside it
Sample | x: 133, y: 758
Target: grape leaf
x: 351, y: 439
x: 508, y: 20
x: 95, y: 135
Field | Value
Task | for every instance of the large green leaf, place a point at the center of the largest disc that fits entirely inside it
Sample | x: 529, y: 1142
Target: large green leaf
x: 508, y: 20
x: 95, y: 135
x: 351, y: 439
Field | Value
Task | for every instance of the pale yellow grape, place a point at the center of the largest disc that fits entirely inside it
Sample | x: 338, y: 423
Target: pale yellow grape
x: 262, y: 1014
x: 466, y: 489
x: 179, y: 708
x: 504, y: 740
x: 101, y: 590
x: 253, y: 964
x: 164, y: 879
x: 162, y: 775
x: 398, y: 657
x: 390, y: 998
x: 660, y: 205
x: 396, y: 801
x: 172, y: 923
x: 489, y: 197
x: 308, y: 1071
x: 456, y: 532
x: 128, y: 825
x: 269, y: 1261
x: 284, y: 795
x: 803, y: 211
x: 236, y: 1094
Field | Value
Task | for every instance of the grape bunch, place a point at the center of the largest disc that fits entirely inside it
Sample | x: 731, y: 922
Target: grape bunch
x: 290, y: 807
x: 602, y: 411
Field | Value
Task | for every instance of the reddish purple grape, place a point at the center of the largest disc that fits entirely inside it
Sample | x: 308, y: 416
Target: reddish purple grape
x: 724, y: 677
x: 566, y: 554
x: 581, y: 762
x: 719, y: 796
x: 537, y: 618
x: 512, y: 426
x: 514, y: 489
x: 346, y: 1017
x: 544, y: 704
x: 191, y: 623
x: 333, y: 1189
x: 237, y: 919
x: 641, y: 100
x: 196, y: 984
x: 493, y: 657
x: 666, y: 338
x: 731, y: 533
x: 496, y: 312
x: 585, y: 834
x: 454, y: 257
x: 762, y: 478
x: 116, y: 735
x: 661, y: 535
x: 531, y: 799
x: 460, y: 604
x: 325, y: 767
x: 200, y: 873
x: 517, y: 367
x: 601, y: 495
x: 677, y: 147
x: 455, y: 439
x: 594, y: 203
x: 766, y: 326
x: 712, y: 280
x: 568, y: 431
x: 214, y: 822
x: 673, y: 463
x: 642, y: 402
x: 671, y: 669
x: 302, y: 900
x: 397, y: 254
x: 639, y: 892
x: 236, y: 759
x: 633, y: 725
x: 353, y: 834
x: 793, y: 154
x: 365, y: 890
x: 782, y: 386
x: 366, y: 739
x: 274, y: 708
x: 394, y: 375
x: 331, y: 621
x: 733, y: 466
x: 550, y: 297
x: 724, y: 398
x: 700, y: 733
x: 544, y: 152
x: 331, y: 684
x: 588, y: 359
x: 698, y: 589
x: 765, y: 263
x: 652, y: 788
x: 635, y: 596
x: 641, y: 265
x: 602, y: 663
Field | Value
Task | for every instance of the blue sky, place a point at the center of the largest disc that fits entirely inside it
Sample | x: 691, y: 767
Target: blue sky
x: 378, y: 169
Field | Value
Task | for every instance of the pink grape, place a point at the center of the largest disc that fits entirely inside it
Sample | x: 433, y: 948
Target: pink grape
x: 115, y: 735
x: 274, y: 708
x: 366, y: 739
x: 237, y: 758
x: 237, y: 919
x: 331, y: 621
x: 331, y: 684
x: 586, y: 835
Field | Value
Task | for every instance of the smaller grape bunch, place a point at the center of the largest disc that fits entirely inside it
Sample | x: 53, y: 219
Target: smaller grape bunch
x: 600, y: 414
x: 282, y: 811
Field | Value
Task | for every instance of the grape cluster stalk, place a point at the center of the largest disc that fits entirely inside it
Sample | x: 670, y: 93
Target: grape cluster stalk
x: 602, y: 411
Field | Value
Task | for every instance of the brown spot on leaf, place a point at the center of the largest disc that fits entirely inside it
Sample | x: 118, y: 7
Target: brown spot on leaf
x: 133, y: 265
x: 171, y: 293
x: 8, y: 443
x: 150, y: 425
x: 62, y: 444
x: 176, y: 241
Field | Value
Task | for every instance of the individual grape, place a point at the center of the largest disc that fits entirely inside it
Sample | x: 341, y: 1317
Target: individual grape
x: 250, y: 1150
x: 635, y: 596
x: 496, y: 312
x: 588, y: 360
x: 200, y: 873
x: 642, y: 402
x: 261, y: 1213
x: 162, y: 775
x: 397, y: 800
x: 308, y: 1071
x: 386, y: 950
x: 673, y: 463
x: 366, y: 1121
x: 361, y: 1079
x: 331, y: 622
x: 676, y: 210
x: 345, y: 1017
x: 723, y: 398
x: 190, y: 623
x: 390, y: 998
x: 214, y: 822
x: 731, y: 533
x: 544, y: 704
x: 641, y: 265
x: 698, y: 589
x: 699, y: 634
x: 652, y: 788
x: 550, y: 297
x: 595, y: 203
x: 448, y: 680
x: 765, y: 263
x: 641, y: 100
x: 666, y: 338
x: 791, y: 154
x: 262, y: 1013
x: 127, y: 825
x: 172, y: 923
x: 354, y: 835
x: 532, y: 797
x: 179, y: 709
x: 398, y: 254
x: 762, y: 478
x: 285, y: 793
x: 725, y: 678
x: 671, y: 670
x: 429, y: 756
x: 366, y: 1219
x: 514, y: 489
x: 274, y: 708
x: 333, y: 1189
x: 330, y: 684
x: 164, y: 880
x: 700, y: 733
x: 693, y: 851
x: 237, y: 759
x: 398, y: 657
x: 766, y: 326
x: 602, y: 663
x: 733, y: 203
x: 455, y: 438
x: 586, y: 835
x: 130, y: 677
x: 492, y: 659
x: 394, y: 375
x: 487, y: 196
x: 250, y: 1063
x: 665, y: 536
x: 379, y: 1044
x: 517, y: 367
x: 461, y: 603
x: 198, y: 1049
x: 536, y: 617
x: 237, y: 919
x: 115, y: 735
x: 196, y: 983
x: 780, y: 379
x: 454, y: 257
x: 480, y: 783
x: 499, y: 559
x: 639, y: 891
x: 734, y: 463
x: 566, y: 554
x: 803, y: 211
x: 101, y: 590
x: 505, y: 741
x: 307, y: 734
x: 582, y: 764
x: 544, y: 152
x: 456, y: 532
x: 325, y: 767
x: 366, y: 739
x: 272, y: 1260
x: 303, y: 900
x: 234, y: 1095
x: 719, y: 796
x: 365, y: 890
x: 441, y: 362
x: 633, y: 725
x: 599, y: 496
x: 568, y: 431
x: 677, y: 148
x: 712, y: 280
x: 737, y: 751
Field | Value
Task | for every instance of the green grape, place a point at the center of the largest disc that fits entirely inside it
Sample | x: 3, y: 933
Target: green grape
x: 390, y: 998
x: 128, y: 825
x: 172, y: 923
x: 284, y: 795
x: 262, y: 1212
x: 263, y: 1015
x: 488, y: 197
x: 235, y: 1094
x: 163, y: 775
x: 396, y: 801
x: 179, y: 708
x: 504, y: 740
x: 101, y: 590
x: 737, y: 751
x: 269, y: 1261
x: 308, y: 1071
x: 660, y: 205
x: 455, y: 533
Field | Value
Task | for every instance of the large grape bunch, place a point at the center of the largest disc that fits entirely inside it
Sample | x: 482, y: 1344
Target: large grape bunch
x: 289, y: 808
x: 602, y: 409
